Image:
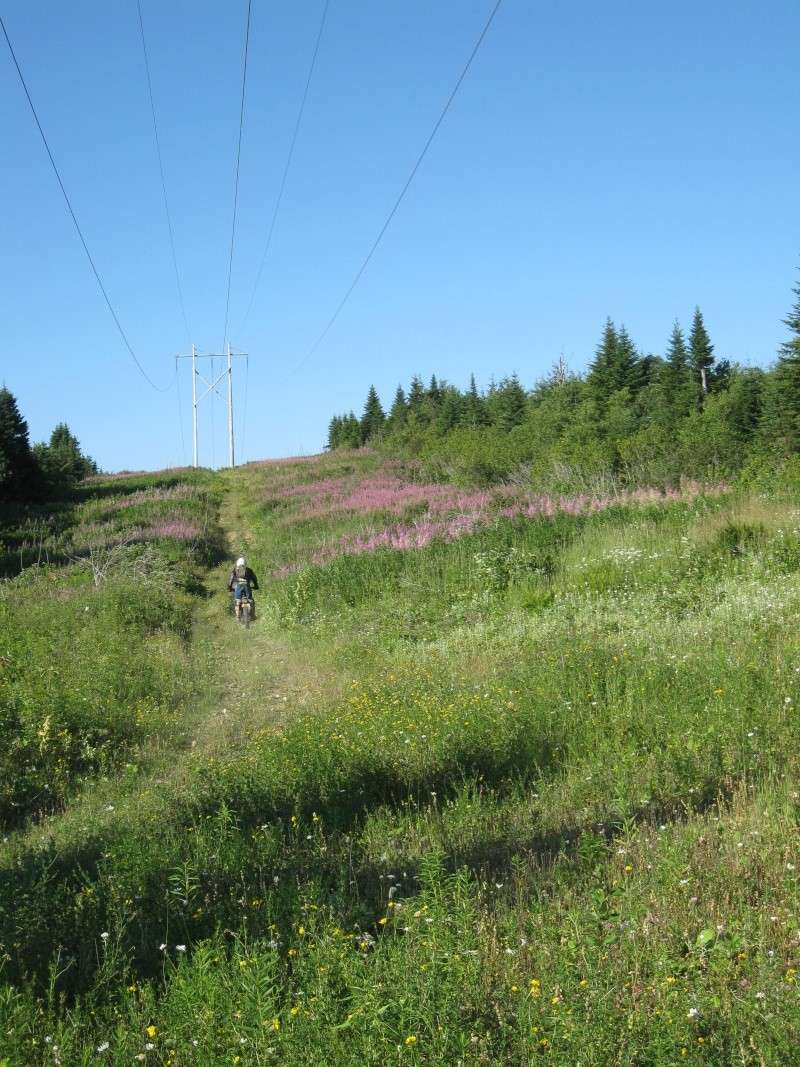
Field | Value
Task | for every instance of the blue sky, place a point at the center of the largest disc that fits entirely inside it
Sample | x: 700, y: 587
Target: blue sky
x: 626, y: 160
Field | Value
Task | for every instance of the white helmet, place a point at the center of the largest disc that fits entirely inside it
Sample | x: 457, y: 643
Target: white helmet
x: 241, y: 562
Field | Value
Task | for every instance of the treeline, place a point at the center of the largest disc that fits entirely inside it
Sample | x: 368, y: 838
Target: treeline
x: 43, y: 471
x: 632, y: 418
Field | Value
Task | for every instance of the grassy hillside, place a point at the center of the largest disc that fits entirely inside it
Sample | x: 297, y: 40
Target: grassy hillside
x: 495, y: 777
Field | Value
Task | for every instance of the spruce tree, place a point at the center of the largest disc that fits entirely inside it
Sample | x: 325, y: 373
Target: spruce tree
x: 474, y: 409
x: 625, y: 369
x: 451, y: 410
x: 62, y: 460
x: 675, y: 380
x: 373, y: 419
x: 782, y: 409
x: 19, y: 473
x: 351, y: 431
x: 416, y: 395
x: 398, y: 411
x: 507, y: 403
x: 334, y: 432
x: 600, y: 379
x: 701, y: 356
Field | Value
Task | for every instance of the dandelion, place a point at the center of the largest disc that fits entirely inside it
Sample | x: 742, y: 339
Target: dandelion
x: 103, y: 1047
x: 151, y: 1031
x: 104, y: 936
x: 411, y: 1039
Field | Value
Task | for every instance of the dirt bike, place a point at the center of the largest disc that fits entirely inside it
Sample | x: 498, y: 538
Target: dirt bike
x: 244, y: 609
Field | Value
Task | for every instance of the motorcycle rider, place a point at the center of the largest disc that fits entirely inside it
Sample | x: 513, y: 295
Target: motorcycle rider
x: 241, y: 583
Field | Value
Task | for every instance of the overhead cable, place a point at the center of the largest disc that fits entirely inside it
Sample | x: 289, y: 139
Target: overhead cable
x: 161, y: 172
x: 236, y: 180
x: 123, y: 335
x: 288, y: 162
x: 398, y: 201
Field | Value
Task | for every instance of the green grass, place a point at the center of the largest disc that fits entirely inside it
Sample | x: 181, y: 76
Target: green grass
x: 533, y: 797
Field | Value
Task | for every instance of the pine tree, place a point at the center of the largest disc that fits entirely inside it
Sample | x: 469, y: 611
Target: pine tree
x: 625, y: 370
x: 373, y: 419
x: 507, y: 403
x: 781, y: 421
x: 19, y: 473
x: 62, y: 460
x: 399, y: 410
x: 451, y: 410
x: 334, y: 432
x: 600, y: 379
x: 474, y: 409
x: 416, y: 395
x: 701, y: 356
x: 351, y: 431
x: 675, y: 380
x: 434, y: 390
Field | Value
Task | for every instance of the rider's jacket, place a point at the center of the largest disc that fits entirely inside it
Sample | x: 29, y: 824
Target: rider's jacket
x: 249, y: 578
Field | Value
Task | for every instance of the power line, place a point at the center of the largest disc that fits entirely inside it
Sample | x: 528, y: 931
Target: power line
x: 143, y: 372
x: 236, y: 180
x: 244, y: 415
x: 288, y: 162
x: 161, y: 172
x: 398, y: 201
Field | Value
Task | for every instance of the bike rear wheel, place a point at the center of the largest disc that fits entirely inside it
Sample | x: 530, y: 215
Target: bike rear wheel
x: 246, y: 610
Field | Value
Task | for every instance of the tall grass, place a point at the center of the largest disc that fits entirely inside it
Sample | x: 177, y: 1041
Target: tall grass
x: 554, y: 817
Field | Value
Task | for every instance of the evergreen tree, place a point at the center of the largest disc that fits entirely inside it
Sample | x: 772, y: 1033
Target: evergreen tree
x: 434, y: 392
x: 746, y: 401
x: 416, y: 395
x: 474, y: 409
x: 373, y: 419
x: 19, y: 473
x: 626, y: 369
x: 781, y: 422
x: 675, y: 383
x: 399, y: 410
x: 507, y: 403
x: 351, y: 431
x: 600, y: 379
x: 450, y: 411
x: 334, y: 432
x: 62, y: 461
x: 701, y: 356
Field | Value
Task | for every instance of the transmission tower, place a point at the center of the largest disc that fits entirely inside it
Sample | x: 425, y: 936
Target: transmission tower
x: 212, y: 390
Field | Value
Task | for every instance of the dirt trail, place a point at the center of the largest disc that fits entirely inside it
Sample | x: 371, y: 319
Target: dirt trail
x: 257, y: 680
x: 264, y: 679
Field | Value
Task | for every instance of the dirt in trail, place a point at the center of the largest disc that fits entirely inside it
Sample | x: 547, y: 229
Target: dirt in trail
x: 263, y: 677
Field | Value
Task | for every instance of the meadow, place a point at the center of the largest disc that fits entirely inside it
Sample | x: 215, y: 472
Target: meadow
x: 496, y: 777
